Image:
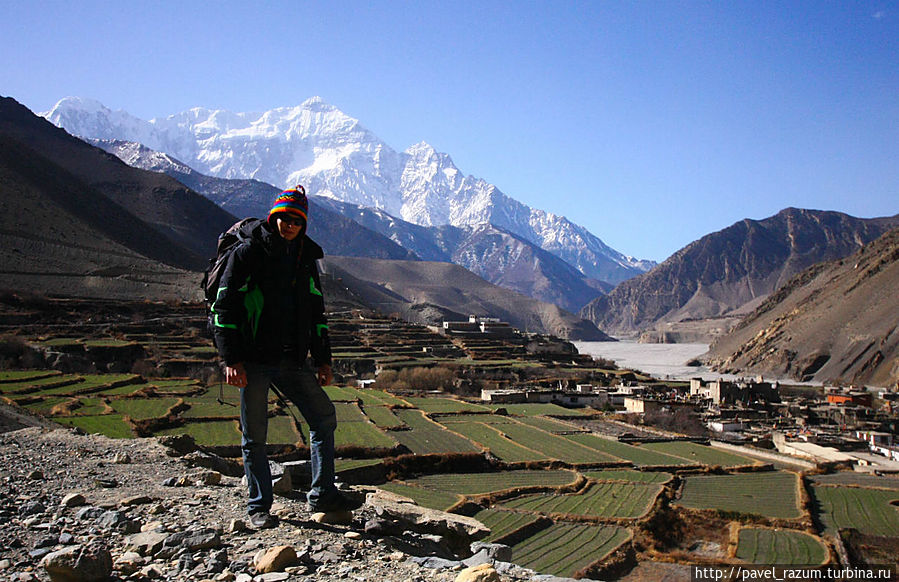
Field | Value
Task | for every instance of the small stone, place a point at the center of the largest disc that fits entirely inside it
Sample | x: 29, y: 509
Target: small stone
x: 353, y: 535
x: 32, y: 508
x: 479, y: 573
x: 89, y: 513
x: 157, y: 509
x: 66, y: 539
x: 236, y: 526
x: 106, y: 483
x: 153, y: 526
x: 274, y: 559
x: 136, y: 500
x: 73, y: 500
x: 83, y: 563
x: 333, y: 517
x: 121, y: 458
x: 129, y: 563
x: 206, y: 478
x: 151, y: 571
x: 35, y: 475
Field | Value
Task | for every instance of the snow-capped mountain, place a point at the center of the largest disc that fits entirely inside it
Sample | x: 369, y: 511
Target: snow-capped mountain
x: 336, y: 157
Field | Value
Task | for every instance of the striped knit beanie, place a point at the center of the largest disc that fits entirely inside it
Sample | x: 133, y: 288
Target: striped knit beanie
x: 292, y: 201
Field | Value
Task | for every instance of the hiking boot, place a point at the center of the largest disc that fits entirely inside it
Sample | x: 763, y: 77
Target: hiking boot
x: 263, y: 520
x: 334, y: 503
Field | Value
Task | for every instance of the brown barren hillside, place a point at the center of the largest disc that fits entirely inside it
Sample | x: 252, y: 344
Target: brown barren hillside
x: 834, y: 322
x: 731, y: 271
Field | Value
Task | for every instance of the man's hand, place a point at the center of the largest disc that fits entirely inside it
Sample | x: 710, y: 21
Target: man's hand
x: 324, y: 375
x: 236, y: 375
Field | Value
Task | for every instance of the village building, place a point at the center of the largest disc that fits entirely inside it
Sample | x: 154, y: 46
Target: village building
x: 480, y: 326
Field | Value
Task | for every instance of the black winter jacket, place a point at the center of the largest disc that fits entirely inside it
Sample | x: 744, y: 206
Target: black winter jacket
x: 247, y: 320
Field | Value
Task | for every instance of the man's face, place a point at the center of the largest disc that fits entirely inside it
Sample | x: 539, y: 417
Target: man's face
x: 289, y: 226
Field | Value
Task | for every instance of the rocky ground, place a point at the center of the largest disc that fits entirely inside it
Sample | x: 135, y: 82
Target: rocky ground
x: 71, y: 504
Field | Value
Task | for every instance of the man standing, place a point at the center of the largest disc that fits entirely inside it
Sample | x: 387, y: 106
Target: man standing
x: 268, y: 315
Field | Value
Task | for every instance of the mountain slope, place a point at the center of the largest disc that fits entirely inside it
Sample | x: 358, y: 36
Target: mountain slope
x: 726, y: 270
x: 836, y: 321
x: 352, y: 230
x: 163, y: 203
x: 57, y: 238
x: 334, y: 156
x: 336, y: 234
x: 426, y: 292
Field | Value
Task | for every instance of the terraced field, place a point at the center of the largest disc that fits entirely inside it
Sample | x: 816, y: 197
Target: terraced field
x: 784, y: 547
x: 563, y: 549
x: 702, y: 454
x: 426, y: 436
x: 483, y: 483
x: 640, y: 456
x: 503, y: 523
x: 629, y: 476
x: 870, y: 511
x: 768, y: 493
x: 616, y: 500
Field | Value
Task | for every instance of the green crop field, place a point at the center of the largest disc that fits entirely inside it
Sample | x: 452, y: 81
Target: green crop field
x: 502, y: 522
x: 541, y: 409
x: 701, y: 454
x: 554, y: 446
x: 769, y: 493
x: 435, y: 404
x: 425, y: 497
x: 30, y: 383
x: 25, y: 375
x: 547, y: 424
x: 339, y: 394
x: 119, y: 390
x: 218, y: 432
x: 858, y: 480
x: 44, y: 405
x: 281, y: 431
x: 562, y: 549
x: 144, y: 408
x: 491, y: 419
x: 492, y: 438
x: 91, y: 406
x: 383, y: 417
x: 869, y: 511
x: 482, y: 483
x: 354, y: 434
x: 638, y: 455
x: 426, y: 436
x: 111, y: 425
x: 626, y: 500
x: 206, y: 406
x: 349, y: 412
x: 768, y: 546
x: 629, y: 475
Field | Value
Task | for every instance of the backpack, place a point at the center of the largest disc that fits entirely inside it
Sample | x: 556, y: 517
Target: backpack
x: 228, y: 241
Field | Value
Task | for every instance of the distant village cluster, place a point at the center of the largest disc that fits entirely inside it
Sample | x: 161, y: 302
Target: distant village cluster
x: 834, y: 425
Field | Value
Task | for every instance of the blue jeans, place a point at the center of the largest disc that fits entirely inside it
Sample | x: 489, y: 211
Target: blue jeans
x: 300, y: 386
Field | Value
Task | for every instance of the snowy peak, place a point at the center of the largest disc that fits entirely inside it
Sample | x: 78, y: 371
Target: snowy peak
x: 318, y: 145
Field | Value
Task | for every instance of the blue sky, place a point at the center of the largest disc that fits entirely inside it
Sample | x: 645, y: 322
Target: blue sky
x: 650, y: 123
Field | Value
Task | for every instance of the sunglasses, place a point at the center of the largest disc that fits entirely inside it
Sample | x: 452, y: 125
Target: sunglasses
x: 292, y: 220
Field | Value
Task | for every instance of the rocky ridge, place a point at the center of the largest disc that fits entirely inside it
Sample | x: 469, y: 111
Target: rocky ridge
x: 85, y: 507
x: 728, y: 273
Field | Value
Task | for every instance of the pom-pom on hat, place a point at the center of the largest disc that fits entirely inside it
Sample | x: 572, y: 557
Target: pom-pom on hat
x: 292, y: 201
